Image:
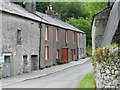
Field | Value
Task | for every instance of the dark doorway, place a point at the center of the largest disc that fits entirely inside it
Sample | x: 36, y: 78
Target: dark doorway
x: 34, y: 62
x: 25, y: 62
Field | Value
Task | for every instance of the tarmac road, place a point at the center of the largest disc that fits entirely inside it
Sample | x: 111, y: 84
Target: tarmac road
x: 68, y: 78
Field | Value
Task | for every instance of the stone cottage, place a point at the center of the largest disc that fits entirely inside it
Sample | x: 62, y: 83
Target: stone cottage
x: 32, y: 40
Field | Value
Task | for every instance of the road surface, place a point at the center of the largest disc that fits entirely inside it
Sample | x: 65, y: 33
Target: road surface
x: 68, y: 78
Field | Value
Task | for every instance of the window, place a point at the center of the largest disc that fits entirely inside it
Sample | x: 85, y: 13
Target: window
x: 58, y: 54
x: 74, y: 51
x: 66, y: 36
x: 74, y: 37
x: 19, y: 37
x: 57, y: 34
x: 25, y: 59
x: 47, y: 52
x: 47, y: 33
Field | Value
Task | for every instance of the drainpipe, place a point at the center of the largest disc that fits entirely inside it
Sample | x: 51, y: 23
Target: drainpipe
x: 65, y: 39
x: 77, y: 45
x: 40, y: 26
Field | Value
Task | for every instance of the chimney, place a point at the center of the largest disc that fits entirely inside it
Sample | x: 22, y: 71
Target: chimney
x: 57, y: 16
x: 51, y: 13
x: 31, y: 6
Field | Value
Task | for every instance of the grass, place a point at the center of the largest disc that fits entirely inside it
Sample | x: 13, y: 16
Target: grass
x: 113, y: 45
x: 89, y: 51
x: 87, y: 82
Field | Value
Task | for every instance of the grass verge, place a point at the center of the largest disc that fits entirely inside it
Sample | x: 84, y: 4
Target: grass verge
x: 87, y: 81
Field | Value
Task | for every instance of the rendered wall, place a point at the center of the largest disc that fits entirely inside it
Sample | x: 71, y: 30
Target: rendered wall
x: 30, y: 41
x: 98, y: 28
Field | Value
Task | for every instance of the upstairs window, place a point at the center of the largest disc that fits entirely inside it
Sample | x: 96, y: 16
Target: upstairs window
x: 66, y: 36
x: 19, y: 41
x: 47, y: 52
x: 47, y: 33
x: 74, y: 37
x: 57, y: 34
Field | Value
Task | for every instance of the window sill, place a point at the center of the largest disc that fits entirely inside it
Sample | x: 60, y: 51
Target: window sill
x: 57, y: 40
x: 47, y: 40
x: 47, y: 59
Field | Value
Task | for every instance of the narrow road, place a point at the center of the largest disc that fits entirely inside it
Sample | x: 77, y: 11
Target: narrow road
x: 68, y: 78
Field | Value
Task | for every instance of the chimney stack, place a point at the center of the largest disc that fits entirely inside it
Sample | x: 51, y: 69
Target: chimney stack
x: 31, y: 6
x: 51, y: 13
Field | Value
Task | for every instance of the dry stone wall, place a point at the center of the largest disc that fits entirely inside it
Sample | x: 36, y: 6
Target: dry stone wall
x: 107, y: 68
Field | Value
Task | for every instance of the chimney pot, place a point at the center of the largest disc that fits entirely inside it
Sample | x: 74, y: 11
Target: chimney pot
x: 31, y: 6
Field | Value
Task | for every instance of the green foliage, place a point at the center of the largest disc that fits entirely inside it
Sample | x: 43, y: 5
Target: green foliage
x: 113, y: 45
x: 87, y: 82
x: 20, y: 3
x: 89, y: 51
x: 84, y: 23
x: 95, y: 7
x: 42, y: 6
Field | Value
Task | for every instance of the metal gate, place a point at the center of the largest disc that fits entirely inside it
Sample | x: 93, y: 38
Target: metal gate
x: 6, y: 71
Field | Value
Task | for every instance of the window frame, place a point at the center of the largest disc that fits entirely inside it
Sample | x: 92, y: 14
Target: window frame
x: 58, y: 54
x: 74, y: 51
x: 66, y: 36
x: 19, y: 37
x: 47, y: 35
x: 48, y: 53
x: 57, y: 35
x: 74, y: 37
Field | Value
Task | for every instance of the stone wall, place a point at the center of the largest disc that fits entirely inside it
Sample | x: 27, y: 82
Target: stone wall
x: 98, y: 28
x: 107, y: 70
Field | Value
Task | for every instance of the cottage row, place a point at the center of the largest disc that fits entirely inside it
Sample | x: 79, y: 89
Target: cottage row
x: 31, y: 40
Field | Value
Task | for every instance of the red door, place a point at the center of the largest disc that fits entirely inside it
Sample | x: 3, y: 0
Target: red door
x: 65, y: 54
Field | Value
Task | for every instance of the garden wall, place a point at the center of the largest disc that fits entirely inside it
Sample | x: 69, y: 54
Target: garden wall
x: 106, y: 62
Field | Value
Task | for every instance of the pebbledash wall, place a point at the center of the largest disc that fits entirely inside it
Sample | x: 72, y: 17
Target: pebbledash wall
x: 29, y: 45
x: 81, y: 38
x: 107, y: 67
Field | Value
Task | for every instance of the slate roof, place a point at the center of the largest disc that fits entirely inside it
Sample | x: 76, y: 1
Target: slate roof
x: 18, y: 10
x: 57, y: 22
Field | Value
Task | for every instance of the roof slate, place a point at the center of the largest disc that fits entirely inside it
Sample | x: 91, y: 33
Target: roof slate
x: 44, y: 18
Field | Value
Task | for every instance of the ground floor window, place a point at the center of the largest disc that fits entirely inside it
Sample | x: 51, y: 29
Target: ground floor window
x: 47, y: 52
x: 58, y: 54
x: 74, y: 51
